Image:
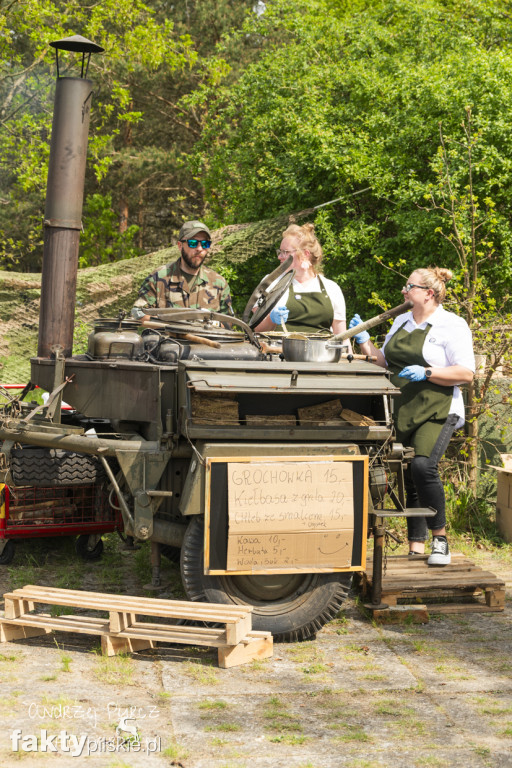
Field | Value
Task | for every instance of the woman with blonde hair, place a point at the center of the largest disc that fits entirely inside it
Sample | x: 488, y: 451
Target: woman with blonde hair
x: 429, y: 353
x: 312, y: 303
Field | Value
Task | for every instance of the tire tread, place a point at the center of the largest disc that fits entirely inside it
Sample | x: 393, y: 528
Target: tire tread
x: 198, y: 586
x: 47, y: 467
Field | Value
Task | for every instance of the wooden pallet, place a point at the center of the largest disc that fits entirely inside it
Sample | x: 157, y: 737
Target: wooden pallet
x: 460, y: 587
x: 125, y: 631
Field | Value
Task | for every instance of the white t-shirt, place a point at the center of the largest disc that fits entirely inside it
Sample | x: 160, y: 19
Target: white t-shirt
x: 333, y: 291
x: 448, y: 342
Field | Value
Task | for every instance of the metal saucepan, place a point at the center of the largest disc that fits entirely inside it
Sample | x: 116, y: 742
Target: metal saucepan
x: 299, y: 348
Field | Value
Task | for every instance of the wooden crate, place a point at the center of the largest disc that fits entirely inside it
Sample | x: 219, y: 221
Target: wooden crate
x: 460, y: 587
x: 126, y: 631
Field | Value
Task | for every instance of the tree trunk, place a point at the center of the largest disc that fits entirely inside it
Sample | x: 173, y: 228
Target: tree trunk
x: 123, y: 216
x: 472, y: 433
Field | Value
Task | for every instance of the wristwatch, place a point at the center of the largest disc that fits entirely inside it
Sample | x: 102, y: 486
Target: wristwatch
x: 428, y: 373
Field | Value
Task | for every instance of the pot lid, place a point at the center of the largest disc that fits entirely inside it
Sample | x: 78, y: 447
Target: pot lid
x: 269, y: 298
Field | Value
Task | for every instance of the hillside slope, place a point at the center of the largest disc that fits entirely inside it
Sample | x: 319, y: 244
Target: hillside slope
x: 105, y: 290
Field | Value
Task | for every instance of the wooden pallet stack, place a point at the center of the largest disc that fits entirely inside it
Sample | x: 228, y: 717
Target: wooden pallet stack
x: 460, y: 587
x: 125, y: 629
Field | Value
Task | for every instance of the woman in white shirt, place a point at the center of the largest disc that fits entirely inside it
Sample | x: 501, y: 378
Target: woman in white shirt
x: 429, y: 352
x: 312, y: 303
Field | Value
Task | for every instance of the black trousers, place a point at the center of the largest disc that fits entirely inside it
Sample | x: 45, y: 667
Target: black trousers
x: 424, y: 488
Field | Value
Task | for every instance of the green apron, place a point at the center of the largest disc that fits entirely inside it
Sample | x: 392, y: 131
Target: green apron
x: 309, y: 311
x: 422, y: 406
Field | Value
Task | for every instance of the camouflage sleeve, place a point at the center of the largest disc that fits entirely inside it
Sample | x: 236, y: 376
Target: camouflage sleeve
x: 147, y: 291
x: 225, y: 301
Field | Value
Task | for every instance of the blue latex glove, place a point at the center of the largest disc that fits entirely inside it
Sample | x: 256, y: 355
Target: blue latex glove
x: 413, y: 373
x: 278, y: 314
x: 359, y: 337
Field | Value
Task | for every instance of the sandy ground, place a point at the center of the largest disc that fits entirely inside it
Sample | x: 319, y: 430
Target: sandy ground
x: 359, y: 695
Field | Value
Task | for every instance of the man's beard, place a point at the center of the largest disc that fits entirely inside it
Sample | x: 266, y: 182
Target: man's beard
x: 188, y: 261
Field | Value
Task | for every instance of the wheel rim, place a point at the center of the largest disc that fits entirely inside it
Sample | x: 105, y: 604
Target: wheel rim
x: 268, y: 593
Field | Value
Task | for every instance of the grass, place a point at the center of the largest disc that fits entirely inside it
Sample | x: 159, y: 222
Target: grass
x: 315, y: 669
x: 23, y: 574
x: 306, y: 652
x: 61, y: 610
x: 393, y: 708
x: 202, y: 673
x: 10, y: 658
x: 340, y: 625
x: 110, y: 570
x: 175, y: 751
x: 453, y: 671
x: 224, y: 727
x: 8, y: 705
x: 143, y: 564
x: 291, y: 740
x: 279, y: 718
x: 256, y: 665
x: 213, y: 705
x: 164, y: 695
x: 114, y: 670
x: 489, y: 706
x: 352, y: 733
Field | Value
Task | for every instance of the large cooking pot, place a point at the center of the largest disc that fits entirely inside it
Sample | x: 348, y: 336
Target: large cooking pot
x: 299, y: 348
x: 112, y: 339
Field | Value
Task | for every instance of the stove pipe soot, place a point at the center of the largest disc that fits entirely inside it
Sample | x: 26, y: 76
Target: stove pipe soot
x: 64, y: 200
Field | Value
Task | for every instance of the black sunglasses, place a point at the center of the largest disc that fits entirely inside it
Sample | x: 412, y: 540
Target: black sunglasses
x: 409, y: 286
x: 194, y: 243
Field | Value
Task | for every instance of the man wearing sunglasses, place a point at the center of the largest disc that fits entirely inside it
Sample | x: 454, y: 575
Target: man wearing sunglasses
x: 187, y: 283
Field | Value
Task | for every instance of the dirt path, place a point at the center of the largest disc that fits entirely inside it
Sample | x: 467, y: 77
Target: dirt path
x: 359, y: 695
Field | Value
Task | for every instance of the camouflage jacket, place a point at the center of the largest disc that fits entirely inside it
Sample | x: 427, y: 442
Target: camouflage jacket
x: 169, y: 286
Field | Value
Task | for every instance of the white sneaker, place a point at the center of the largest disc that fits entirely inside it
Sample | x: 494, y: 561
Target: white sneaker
x: 440, y: 552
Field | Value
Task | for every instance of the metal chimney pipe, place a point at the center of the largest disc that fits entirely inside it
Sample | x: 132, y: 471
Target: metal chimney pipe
x: 64, y: 200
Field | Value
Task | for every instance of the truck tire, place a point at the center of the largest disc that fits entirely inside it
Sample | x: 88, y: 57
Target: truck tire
x: 8, y: 552
x: 291, y: 606
x: 46, y: 467
x: 85, y: 550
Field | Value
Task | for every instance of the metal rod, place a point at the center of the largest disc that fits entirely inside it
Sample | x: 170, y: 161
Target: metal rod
x: 378, y: 547
x: 125, y: 510
x: 91, y: 445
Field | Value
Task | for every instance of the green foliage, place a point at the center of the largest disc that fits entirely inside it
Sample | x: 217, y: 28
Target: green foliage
x: 345, y: 101
x: 473, y: 514
x: 101, y: 240
x: 138, y: 133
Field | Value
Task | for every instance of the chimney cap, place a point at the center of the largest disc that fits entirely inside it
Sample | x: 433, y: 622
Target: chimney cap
x: 77, y: 43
